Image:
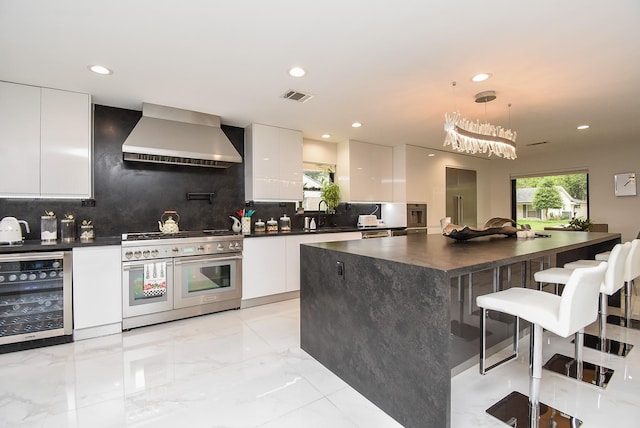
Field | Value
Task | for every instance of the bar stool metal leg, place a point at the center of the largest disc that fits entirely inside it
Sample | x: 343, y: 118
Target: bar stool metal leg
x: 601, y: 342
x: 483, y: 343
x: 515, y: 407
x: 579, y: 346
x: 535, y: 374
x: 626, y: 320
x: 471, y: 294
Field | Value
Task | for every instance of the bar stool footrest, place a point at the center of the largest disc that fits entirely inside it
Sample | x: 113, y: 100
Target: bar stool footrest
x: 465, y: 331
x: 591, y: 373
x: 622, y: 322
x: 513, y: 410
x: 611, y: 346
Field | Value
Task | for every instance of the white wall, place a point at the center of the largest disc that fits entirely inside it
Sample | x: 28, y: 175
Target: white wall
x: 319, y: 152
x: 621, y: 213
x: 421, y: 178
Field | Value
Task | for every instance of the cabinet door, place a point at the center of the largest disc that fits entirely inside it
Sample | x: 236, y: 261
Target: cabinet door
x: 97, y: 289
x: 266, y: 165
x: 290, y: 157
x: 263, y: 267
x: 65, y: 144
x: 384, y: 167
x: 370, y: 168
x: 419, y: 165
x: 19, y: 140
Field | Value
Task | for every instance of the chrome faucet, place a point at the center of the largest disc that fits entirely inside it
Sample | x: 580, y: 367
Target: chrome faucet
x: 325, y: 210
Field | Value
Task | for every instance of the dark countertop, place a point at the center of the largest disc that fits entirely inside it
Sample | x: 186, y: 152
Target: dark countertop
x: 461, y: 257
x: 337, y: 229
x: 34, y: 245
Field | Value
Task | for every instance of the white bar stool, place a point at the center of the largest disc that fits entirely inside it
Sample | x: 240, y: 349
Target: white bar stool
x: 562, y: 315
x: 631, y: 271
x: 614, y: 280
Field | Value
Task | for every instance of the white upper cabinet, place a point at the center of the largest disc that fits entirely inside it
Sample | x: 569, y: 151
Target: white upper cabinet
x: 19, y: 140
x: 65, y: 144
x: 273, y: 163
x: 412, y: 174
x: 365, y: 172
x: 45, y: 142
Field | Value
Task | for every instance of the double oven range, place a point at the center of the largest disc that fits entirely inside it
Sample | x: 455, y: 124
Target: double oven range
x: 166, y: 277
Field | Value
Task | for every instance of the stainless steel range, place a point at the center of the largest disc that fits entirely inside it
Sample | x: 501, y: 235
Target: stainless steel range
x: 166, y: 277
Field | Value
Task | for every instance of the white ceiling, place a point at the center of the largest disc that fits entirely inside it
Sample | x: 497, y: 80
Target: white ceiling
x: 388, y: 64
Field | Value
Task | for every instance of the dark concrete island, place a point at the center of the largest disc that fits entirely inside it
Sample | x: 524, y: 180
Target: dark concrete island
x: 378, y: 313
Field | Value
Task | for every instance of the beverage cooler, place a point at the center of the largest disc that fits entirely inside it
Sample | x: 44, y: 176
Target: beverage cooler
x: 35, y: 300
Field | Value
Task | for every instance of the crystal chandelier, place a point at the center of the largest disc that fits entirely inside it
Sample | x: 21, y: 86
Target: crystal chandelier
x: 474, y: 137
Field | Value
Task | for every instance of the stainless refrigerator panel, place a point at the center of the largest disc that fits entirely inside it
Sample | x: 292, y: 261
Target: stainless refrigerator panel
x: 461, y: 196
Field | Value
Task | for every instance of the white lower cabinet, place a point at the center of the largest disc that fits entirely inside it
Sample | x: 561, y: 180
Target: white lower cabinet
x: 97, y: 291
x: 271, y: 264
x: 263, y: 266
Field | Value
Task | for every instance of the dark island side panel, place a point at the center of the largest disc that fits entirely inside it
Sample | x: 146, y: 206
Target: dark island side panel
x: 394, y: 350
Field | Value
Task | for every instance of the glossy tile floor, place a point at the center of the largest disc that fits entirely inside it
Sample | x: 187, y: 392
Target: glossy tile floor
x: 245, y: 369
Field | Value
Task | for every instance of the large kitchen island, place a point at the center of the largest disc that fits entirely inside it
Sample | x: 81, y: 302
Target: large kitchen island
x: 378, y: 313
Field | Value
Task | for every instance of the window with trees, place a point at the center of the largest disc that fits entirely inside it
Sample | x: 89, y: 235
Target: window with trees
x: 550, y: 200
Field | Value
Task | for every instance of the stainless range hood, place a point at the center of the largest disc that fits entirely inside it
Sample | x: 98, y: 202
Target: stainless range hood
x: 173, y: 136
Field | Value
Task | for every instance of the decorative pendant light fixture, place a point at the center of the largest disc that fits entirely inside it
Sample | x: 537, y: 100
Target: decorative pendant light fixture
x: 474, y: 137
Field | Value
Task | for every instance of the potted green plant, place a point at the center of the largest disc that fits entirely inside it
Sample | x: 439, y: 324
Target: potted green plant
x: 330, y: 193
x: 581, y: 223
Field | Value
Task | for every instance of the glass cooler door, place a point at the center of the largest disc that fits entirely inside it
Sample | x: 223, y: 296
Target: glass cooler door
x: 35, y: 296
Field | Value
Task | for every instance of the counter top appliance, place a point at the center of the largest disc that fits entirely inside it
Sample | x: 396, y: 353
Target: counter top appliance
x: 416, y: 218
x: 10, y: 231
x: 367, y: 221
x: 179, y: 275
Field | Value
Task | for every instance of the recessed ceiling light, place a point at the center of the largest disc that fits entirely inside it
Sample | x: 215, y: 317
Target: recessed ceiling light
x: 431, y: 155
x: 480, y: 77
x: 583, y: 127
x: 100, y: 69
x: 356, y: 125
x: 297, y: 72
x: 326, y: 135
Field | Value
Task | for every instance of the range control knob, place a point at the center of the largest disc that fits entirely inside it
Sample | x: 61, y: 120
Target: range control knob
x: 238, y: 247
x: 128, y: 255
x: 231, y: 246
x: 175, y: 250
x: 146, y: 253
x: 200, y: 249
x: 154, y: 253
x: 137, y: 254
x: 220, y: 247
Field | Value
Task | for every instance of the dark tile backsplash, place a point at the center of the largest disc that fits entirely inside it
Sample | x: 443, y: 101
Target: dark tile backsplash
x: 131, y: 196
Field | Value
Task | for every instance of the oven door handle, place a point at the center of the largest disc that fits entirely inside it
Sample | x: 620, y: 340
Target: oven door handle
x: 187, y: 260
x: 127, y: 266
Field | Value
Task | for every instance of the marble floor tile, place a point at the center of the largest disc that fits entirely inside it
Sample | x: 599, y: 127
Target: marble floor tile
x: 245, y: 368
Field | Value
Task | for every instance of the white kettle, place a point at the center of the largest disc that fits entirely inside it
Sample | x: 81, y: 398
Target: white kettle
x: 10, y: 231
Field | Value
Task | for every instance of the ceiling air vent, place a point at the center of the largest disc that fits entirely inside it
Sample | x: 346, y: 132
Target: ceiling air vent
x: 297, y: 96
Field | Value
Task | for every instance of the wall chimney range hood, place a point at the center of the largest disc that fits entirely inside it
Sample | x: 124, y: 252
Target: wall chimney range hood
x: 181, y: 137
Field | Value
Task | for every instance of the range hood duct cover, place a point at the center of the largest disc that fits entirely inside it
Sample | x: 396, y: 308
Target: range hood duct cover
x: 181, y: 137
